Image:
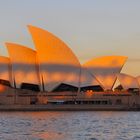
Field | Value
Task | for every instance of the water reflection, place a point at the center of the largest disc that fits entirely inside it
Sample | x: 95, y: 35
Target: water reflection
x: 70, y: 125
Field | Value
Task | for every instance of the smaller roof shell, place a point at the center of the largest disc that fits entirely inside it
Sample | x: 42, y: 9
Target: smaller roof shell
x: 127, y: 81
x: 24, y: 64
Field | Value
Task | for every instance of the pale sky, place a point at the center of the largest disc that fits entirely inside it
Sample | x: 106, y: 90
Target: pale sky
x: 91, y: 28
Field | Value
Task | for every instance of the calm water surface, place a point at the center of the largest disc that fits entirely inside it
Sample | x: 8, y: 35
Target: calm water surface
x: 70, y: 126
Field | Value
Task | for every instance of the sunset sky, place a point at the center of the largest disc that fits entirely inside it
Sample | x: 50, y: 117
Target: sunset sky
x: 91, y: 28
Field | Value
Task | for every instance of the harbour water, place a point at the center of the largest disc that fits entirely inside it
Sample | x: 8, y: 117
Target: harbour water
x: 81, y: 125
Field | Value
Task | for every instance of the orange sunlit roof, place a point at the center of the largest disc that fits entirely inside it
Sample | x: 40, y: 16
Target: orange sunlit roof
x: 24, y: 64
x: 105, y: 69
x: 57, y: 61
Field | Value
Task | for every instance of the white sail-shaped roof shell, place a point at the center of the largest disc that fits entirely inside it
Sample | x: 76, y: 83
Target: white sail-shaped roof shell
x: 105, y: 69
x: 58, y: 64
x: 5, y: 69
x: 127, y: 81
x: 87, y: 79
x: 24, y: 64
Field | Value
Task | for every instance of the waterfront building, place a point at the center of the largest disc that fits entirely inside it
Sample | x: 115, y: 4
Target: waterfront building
x: 52, y: 74
x: 53, y: 66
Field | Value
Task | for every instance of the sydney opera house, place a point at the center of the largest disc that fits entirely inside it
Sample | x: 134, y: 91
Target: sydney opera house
x: 53, y: 69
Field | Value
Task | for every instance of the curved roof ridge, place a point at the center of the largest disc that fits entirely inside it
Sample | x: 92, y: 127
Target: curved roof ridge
x: 19, y: 45
x: 107, y: 56
x: 53, y: 37
x: 32, y: 26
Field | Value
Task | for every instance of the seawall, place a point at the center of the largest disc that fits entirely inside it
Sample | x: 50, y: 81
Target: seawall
x: 67, y: 108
